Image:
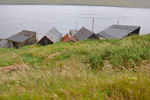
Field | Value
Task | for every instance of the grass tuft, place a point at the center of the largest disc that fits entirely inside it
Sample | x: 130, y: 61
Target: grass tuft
x: 90, y: 69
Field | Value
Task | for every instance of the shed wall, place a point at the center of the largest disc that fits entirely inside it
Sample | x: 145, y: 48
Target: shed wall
x: 93, y: 36
x: 66, y: 38
x: 136, y: 32
x: 45, y: 41
x: 31, y: 40
x: 12, y: 44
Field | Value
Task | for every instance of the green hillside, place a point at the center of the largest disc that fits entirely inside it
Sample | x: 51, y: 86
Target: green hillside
x: 124, y: 3
x: 90, y: 69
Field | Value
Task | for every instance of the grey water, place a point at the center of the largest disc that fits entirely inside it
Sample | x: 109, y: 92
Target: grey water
x: 41, y: 18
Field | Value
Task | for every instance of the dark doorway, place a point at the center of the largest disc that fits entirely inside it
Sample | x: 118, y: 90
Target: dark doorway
x: 15, y: 45
x: 45, y: 42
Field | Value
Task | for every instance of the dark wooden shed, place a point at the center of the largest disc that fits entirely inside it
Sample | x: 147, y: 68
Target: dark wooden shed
x: 84, y: 33
x: 119, y: 31
x: 21, y: 39
x: 51, y: 37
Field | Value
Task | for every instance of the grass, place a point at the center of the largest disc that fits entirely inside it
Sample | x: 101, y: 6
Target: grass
x: 90, y: 69
x: 123, y: 3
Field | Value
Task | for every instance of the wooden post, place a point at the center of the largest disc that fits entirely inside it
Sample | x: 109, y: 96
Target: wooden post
x: 76, y: 26
x: 93, y: 25
x: 118, y: 22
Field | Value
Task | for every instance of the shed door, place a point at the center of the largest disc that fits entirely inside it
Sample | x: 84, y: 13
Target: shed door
x: 45, y: 42
x: 15, y: 44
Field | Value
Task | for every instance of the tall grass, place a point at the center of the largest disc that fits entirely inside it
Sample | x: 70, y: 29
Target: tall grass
x: 90, y: 69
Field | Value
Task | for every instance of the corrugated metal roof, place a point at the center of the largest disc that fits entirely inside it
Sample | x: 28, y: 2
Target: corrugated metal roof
x: 117, y: 31
x: 17, y: 38
x: 54, y: 35
x: 83, y: 33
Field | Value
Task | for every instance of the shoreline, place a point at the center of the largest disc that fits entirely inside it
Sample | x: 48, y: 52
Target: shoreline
x: 79, y: 5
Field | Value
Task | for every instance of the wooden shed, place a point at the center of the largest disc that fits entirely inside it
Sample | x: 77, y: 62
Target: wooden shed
x: 72, y: 32
x: 84, y: 33
x: 68, y: 38
x: 51, y: 37
x: 21, y: 39
x: 3, y: 43
x: 119, y: 31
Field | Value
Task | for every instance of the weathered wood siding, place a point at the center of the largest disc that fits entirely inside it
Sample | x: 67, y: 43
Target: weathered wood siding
x: 93, y: 36
x: 31, y: 40
x: 45, y: 41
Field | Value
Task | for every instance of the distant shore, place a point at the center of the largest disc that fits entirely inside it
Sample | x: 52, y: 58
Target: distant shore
x: 114, y: 3
x: 77, y: 5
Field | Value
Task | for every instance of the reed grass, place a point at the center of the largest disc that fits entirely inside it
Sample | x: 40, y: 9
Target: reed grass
x: 90, y: 69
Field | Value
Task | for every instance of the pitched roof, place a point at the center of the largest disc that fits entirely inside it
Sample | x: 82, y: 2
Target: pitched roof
x: 17, y: 38
x: 1, y: 39
x: 68, y: 38
x: 26, y: 33
x: 72, y: 32
x: 117, y: 31
x: 21, y: 36
x: 73, y: 39
x: 3, y: 43
x: 83, y: 33
x: 54, y: 35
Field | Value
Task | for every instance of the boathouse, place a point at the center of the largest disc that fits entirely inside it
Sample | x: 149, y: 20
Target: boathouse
x: 72, y: 32
x: 3, y: 43
x: 51, y: 37
x: 68, y: 38
x: 119, y: 31
x: 84, y: 33
x: 21, y: 39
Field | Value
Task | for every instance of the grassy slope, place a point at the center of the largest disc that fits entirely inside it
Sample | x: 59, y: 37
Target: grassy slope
x: 124, y: 3
x: 90, y: 69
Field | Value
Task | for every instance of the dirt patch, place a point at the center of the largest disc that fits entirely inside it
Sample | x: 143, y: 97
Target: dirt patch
x: 147, y: 69
x: 9, y: 69
x: 52, y: 55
